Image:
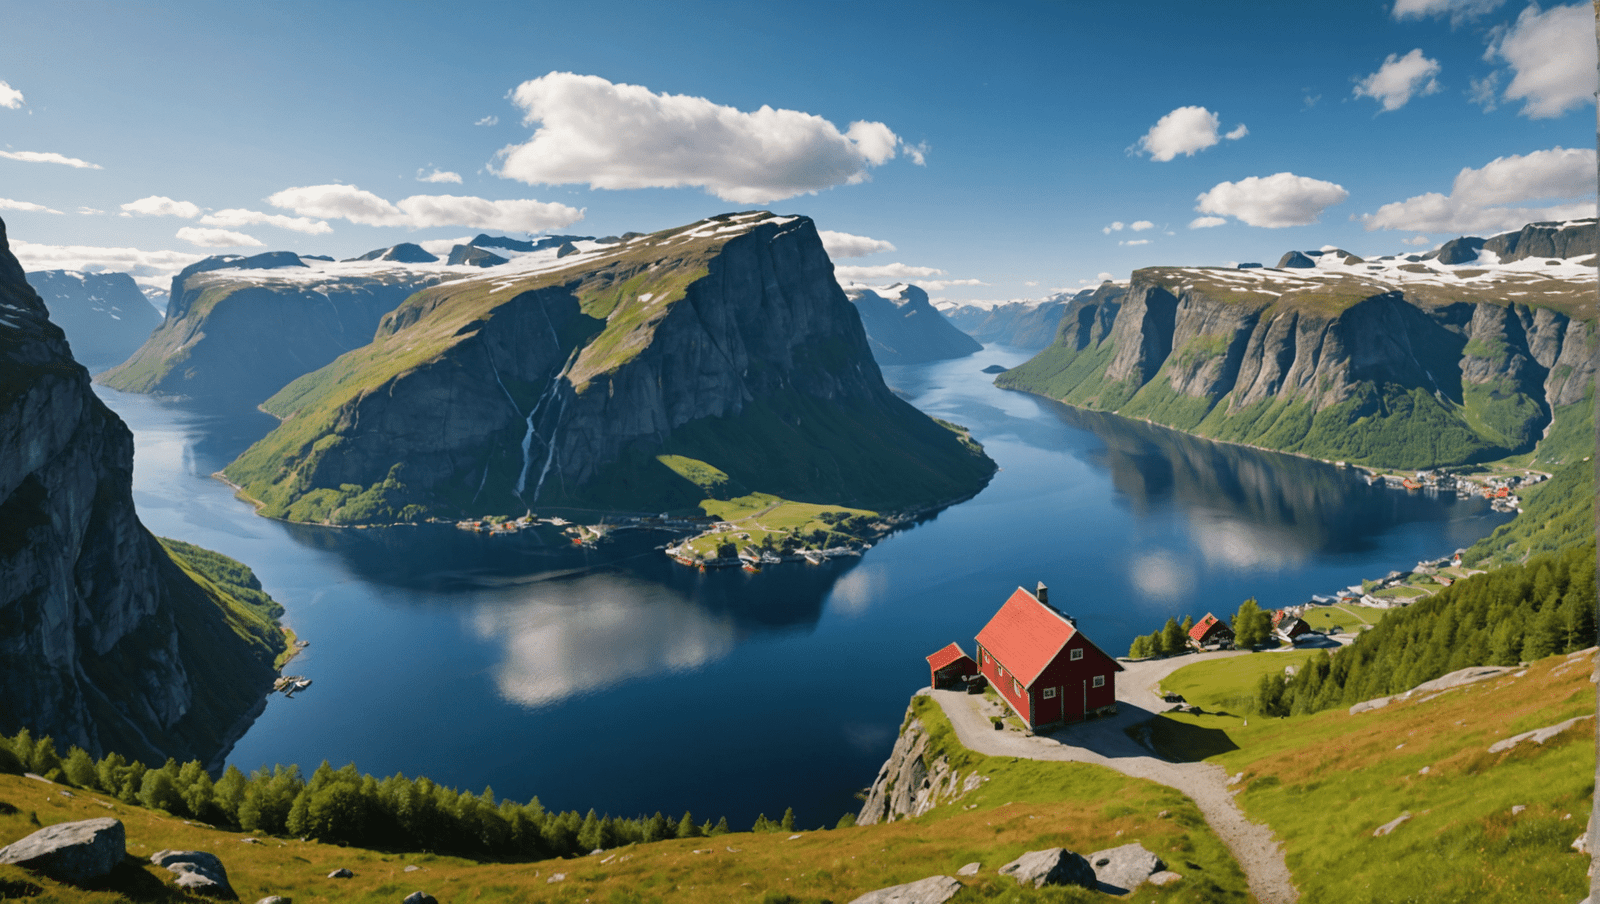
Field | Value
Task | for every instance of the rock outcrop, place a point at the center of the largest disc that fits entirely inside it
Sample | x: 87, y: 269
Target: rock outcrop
x: 623, y: 376
x: 1054, y: 866
x: 903, y: 328
x: 105, y: 316
x: 196, y: 871
x: 1368, y: 363
x: 105, y: 642
x: 908, y: 786
x: 932, y: 890
x: 1120, y: 870
x: 75, y: 852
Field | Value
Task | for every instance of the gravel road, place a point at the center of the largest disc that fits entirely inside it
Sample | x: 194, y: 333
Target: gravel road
x: 1103, y: 742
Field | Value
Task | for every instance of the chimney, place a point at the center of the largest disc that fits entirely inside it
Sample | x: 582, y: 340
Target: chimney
x: 1043, y: 593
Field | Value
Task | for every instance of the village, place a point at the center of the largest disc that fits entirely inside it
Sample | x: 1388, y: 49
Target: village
x: 1497, y: 488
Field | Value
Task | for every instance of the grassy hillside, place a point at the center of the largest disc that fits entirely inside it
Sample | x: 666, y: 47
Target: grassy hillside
x: 1556, y: 515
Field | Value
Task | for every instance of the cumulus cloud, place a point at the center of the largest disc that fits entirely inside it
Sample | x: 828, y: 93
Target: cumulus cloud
x: 235, y: 216
x: 49, y: 157
x: 161, y: 206
x: 918, y: 152
x: 1141, y: 225
x: 347, y: 202
x: 1485, y: 92
x: 931, y: 279
x: 1186, y: 130
x: 1114, y: 227
x: 28, y: 206
x: 1500, y: 195
x: 1237, y: 133
x: 488, y: 121
x: 1458, y: 10
x: 1135, y: 242
x: 10, y: 98
x: 1417, y: 241
x: 1552, y: 56
x: 217, y: 238
x: 1399, y: 79
x: 843, y: 244
x: 1206, y: 222
x: 152, y: 269
x: 439, y: 175
x: 619, y: 136
x: 1272, y: 202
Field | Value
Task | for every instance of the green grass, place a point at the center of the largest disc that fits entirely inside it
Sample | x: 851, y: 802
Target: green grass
x: 1556, y: 514
x: 1348, y: 617
x: 759, y: 518
x: 1229, y: 683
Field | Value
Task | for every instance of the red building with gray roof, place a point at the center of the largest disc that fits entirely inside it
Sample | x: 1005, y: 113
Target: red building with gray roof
x: 1043, y: 666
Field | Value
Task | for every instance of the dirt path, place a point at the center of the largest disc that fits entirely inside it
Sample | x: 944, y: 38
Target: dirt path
x: 1103, y: 743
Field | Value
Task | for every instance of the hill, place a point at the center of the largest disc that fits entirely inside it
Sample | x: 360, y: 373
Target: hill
x: 105, y: 316
x: 903, y: 328
x: 711, y: 361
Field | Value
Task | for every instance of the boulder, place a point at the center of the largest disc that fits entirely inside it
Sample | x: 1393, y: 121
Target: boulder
x: 1165, y: 877
x: 1054, y: 866
x: 340, y: 873
x: 1537, y: 736
x: 75, y: 852
x: 932, y: 890
x: 420, y: 897
x: 970, y: 869
x: 1390, y: 826
x: 412, y: 868
x: 275, y: 899
x: 197, y: 871
x: 1124, y: 868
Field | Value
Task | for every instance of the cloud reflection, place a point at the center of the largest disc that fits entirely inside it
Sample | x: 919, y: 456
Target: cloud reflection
x: 1160, y: 575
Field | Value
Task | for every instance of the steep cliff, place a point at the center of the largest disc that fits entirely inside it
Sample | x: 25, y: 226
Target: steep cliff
x: 105, y: 641
x: 903, y: 328
x: 1391, y: 363
x: 910, y: 783
x: 238, y: 329
x: 105, y: 316
x: 716, y: 358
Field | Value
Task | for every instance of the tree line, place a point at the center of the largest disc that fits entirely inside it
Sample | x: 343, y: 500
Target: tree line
x: 1515, y: 614
x: 343, y: 806
x: 1252, y: 627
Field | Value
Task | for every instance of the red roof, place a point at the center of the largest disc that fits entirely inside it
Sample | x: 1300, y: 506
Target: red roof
x: 1025, y: 635
x: 1198, y: 632
x: 944, y: 657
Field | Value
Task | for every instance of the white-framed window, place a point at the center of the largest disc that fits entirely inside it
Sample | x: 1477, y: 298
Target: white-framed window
x: 1076, y: 654
x: 1049, y: 693
x: 1016, y: 686
x: 1099, y: 681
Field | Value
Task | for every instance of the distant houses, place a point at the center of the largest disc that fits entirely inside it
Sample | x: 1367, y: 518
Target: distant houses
x: 1038, y: 661
x: 1210, y: 633
x: 1289, y: 626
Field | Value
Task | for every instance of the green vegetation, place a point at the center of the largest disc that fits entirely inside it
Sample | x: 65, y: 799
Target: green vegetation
x: 1252, y: 625
x: 1556, y: 515
x: 1172, y: 638
x: 1350, y: 617
x: 764, y: 523
x: 1229, y: 684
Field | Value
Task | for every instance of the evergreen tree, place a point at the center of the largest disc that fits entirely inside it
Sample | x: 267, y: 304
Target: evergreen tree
x: 721, y: 827
x: 1187, y: 625
x: 1171, y: 638
x: 79, y: 768
x: 787, y: 823
x: 1140, y: 649
x: 589, y: 837
x: 686, y: 826
x: 229, y: 794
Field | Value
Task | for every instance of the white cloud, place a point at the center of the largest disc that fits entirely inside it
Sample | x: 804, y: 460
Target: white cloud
x: 1272, y: 202
x: 1399, y: 79
x: 619, y: 136
x: 154, y: 269
x: 217, y: 238
x: 347, y: 202
x: 439, y: 175
x: 1497, y: 196
x: 1135, y: 242
x: 235, y: 216
x: 1206, y: 222
x: 1186, y: 130
x: 90, y: 211
x: 1238, y: 132
x: 1417, y: 241
x: 488, y: 121
x: 441, y: 247
x: 49, y: 157
x: 931, y: 279
x: 1485, y: 91
x: 10, y: 98
x: 843, y: 244
x: 1459, y: 10
x: 161, y: 206
x: 29, y: 206
x: 1141, y: 225
x: 1114, y: 227
x: 918, y: 152
x: 1104, y: 277
x: 1552, y: 54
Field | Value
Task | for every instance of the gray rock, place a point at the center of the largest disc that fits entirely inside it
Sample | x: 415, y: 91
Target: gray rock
x: 275, y: 899
x: 932, y: 890
x: 1296, y: 259
x: 412, y: 868
x: 1055, y: 866
x: 1165, y: 877
x: 420, y: 897
x: 1537, y: 736
x: 74, y: 852
x: 197, y: 871
x: 340, y: 873
x: 1124, y: 868
x: 1390, y: 826
x: 970, y: 869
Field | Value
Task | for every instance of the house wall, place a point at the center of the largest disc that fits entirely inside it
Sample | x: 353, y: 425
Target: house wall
x: 1006, y: 684
x: 1074, y: 681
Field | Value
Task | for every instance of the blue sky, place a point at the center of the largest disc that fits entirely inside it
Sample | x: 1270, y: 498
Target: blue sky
x: 992, y: 146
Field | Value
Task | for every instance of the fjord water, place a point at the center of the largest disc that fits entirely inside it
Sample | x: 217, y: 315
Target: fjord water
x: 615, y: 679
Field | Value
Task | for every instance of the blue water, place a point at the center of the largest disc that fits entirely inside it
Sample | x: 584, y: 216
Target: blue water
x: 617, y: 680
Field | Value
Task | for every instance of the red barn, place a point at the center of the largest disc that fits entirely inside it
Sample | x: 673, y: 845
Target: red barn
x: 1210, y: 631
x: 1043, y: 666
x: 949, y: 667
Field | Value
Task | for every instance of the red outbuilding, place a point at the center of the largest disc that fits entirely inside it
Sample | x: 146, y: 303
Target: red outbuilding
x: 1043, y: 666
x: 950, y: 667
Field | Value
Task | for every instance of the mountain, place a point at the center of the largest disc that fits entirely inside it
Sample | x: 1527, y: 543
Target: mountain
x: 713, y: 359
x: 474, y: 256
x: 403, y: 253
x: 107, y: 641
x: 105, y: 315
x: 240, y: 328
x: 1029, y: 323
x: 1394, y: 362
x: 903, y: 328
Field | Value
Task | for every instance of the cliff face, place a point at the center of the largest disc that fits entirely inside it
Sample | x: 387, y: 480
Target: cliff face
x: 238, y: 329
x: 591, y: 376
x: 105, y: 316
x: 903, y: 328
x: 1394, y: 364
x: 909, y: 785
x: 104, y: 641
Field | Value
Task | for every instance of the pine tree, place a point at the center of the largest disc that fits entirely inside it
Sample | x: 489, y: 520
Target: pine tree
x: 686, y: 826
x: 787, y: 824
x: 1171, y: 638
x: 1187, y: 625
x: 721, y: 828
x: 589, y: 837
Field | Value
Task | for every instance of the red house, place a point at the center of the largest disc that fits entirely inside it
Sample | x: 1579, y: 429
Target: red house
x: 949, y: 667
x: 1210, y: 631
x: 1043, y: 666
x: 1289, y: 626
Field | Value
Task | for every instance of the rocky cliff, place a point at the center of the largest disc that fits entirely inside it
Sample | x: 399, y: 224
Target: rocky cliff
x: 105, y: 641
x: 105, y: 316
x: 1392, y: 362
x: 238, y: 329
x: 1020, y: 324
x: 642, y: 374
x: 909, y: 785
x: 903, y: 328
